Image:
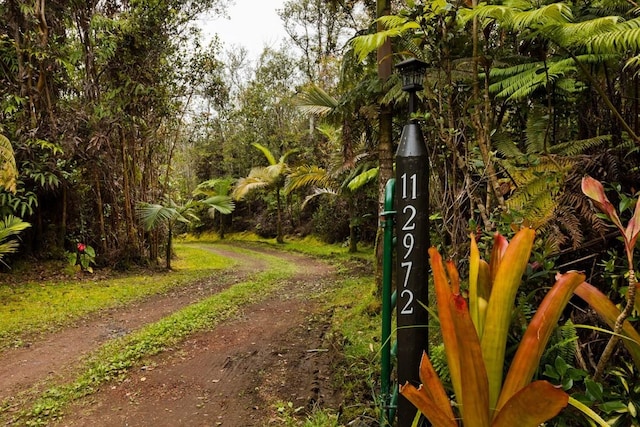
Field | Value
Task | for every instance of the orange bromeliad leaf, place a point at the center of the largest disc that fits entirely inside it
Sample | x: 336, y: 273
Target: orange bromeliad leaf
x: 533, y: 405
x: 475, y: 386
x: 500, y: 245
x: 537, y: 335
x: 433, y: 386
x: 421, y: 400
x: 609, y: 313
x: 503, y: 293
x: 447, y: 327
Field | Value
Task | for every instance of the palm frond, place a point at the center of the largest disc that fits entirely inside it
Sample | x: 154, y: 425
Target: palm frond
x: 315, y: 100
x: 267, y: 153
x: 221, y: 203
x: 286, y: 155
x: 318, y: 192
x: 362, y: 179
x: 258, y: 178
x: 151, y: 214
x: 332, y: 133
x: 10, y: 226
x: 304, y: 176
x: 212, y: 187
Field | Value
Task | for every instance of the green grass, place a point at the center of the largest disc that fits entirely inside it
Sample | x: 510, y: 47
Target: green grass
x: 308, y: 245
x: 38, y: 306
x: 115, y: 358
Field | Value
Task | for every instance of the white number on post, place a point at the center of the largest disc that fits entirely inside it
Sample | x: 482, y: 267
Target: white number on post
x: 407, y: 309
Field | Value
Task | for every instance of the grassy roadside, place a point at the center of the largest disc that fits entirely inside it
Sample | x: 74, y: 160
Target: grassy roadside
x: 36, y: 306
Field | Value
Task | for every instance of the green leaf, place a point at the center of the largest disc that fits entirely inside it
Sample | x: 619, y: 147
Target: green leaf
x: 594, y: 389
x: 613, y: 406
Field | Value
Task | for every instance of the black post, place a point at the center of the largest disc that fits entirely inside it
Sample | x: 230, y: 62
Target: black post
x: 412, y: 231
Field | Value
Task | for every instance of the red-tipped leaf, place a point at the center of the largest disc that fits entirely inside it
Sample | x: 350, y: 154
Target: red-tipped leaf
x: 536, y: 337
x: 594, y: 190
x: 447, y: 326
x: 475, y: 386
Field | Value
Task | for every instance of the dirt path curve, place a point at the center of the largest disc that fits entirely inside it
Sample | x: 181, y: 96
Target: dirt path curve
x: 224, y: 377
x: 53, y: 355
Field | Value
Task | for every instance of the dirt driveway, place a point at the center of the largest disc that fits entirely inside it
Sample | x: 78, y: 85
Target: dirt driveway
x: 234, y: 375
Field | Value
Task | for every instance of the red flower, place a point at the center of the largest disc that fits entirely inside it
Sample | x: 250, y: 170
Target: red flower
x: 81, y: 247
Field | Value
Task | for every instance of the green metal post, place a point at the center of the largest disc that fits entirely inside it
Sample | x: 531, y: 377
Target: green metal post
x: 387, y: 307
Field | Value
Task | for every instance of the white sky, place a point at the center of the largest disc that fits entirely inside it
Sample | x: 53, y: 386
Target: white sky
x: 254, y: 24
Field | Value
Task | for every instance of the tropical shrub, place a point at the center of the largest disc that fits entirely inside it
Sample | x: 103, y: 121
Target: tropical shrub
x: 475, y: 334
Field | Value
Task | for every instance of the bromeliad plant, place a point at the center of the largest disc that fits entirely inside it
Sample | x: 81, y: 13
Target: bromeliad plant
x: 475, y: 332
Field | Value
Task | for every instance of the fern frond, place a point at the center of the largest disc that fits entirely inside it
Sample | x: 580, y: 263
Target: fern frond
x: 506, y: 147
x: 364, y: 45
x: 576, y: 33
x: 438, y: 358
x: 551, y: 13
x: 517, y: 19
x: 562, y: 344
x: 536, y: 131
x: 621, y: 38
x: 573, y: 148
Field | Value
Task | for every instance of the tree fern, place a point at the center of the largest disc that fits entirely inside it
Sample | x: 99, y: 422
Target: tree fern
x: 520, y: 81
x: 542, y: 174
x: 522, y: 16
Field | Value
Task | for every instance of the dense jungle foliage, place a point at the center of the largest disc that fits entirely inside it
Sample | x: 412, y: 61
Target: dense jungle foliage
x: 127, y: 126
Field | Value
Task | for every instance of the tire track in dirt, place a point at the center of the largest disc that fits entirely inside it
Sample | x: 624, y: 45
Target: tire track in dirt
x: 54, y: 356
x: 230, y: 375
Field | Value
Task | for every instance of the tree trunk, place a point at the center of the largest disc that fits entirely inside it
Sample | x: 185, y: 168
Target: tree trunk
x: 169, y: 244
x: 279, y: 237
x: 385, y: 143
x: 126, y: 190
x: 100, y: 214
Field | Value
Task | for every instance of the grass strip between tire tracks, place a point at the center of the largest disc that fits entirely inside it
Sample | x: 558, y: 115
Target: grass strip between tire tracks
x: 37, y: 306
x: 114, y: 359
